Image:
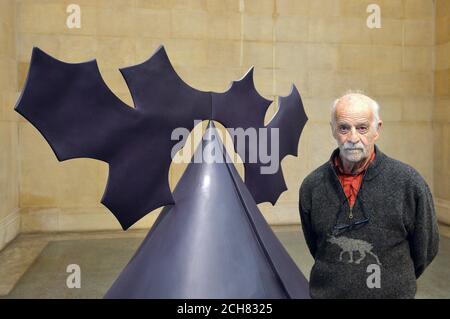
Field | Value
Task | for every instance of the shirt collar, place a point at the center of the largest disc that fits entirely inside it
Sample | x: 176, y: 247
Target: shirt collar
x: 375, y: 167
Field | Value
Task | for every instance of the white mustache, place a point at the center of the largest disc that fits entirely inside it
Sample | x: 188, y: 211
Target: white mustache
x: 351, y: 147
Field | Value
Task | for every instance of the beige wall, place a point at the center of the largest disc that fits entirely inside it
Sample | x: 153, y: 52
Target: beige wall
x: 323, y: 46
x: 9, y: 187
x: 441, y: 114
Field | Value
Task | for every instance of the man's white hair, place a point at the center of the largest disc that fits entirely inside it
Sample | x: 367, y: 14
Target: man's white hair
x: 372, y: 103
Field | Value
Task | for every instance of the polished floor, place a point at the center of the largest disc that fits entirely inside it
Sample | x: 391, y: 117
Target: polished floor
x: 35, y: 265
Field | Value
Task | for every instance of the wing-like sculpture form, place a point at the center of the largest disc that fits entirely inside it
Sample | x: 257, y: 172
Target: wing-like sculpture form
x: 242, y: 107
x: 79, y: 116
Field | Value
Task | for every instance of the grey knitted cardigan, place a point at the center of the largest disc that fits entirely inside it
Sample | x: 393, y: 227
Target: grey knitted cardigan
x: 391, y: 239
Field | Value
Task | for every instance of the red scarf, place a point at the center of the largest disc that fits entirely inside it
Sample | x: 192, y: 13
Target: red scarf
x: 351, y: 183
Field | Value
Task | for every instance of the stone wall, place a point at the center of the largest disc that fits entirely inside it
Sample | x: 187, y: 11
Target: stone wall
x: 9, y: 185
x: 441, y: 114
x: 323, y: 46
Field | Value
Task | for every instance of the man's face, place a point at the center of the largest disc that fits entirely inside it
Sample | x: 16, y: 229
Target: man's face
x: 354, y: 130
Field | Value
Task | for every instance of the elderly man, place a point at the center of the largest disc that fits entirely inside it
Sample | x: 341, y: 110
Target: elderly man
x: 368, y: 219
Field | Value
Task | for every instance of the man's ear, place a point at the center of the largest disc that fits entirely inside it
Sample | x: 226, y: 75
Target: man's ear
x: 380, y: 124
x: 378, y: 130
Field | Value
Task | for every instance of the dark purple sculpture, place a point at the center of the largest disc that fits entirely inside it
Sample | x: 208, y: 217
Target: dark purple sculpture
x: 213, y: 242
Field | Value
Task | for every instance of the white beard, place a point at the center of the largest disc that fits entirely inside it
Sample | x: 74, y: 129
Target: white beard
x: 353, y: 153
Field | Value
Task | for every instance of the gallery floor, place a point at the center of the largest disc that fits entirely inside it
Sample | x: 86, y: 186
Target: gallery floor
x: 35, y: 265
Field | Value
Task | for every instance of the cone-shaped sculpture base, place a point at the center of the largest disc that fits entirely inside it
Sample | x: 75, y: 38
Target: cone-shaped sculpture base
x: 213, y: 243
